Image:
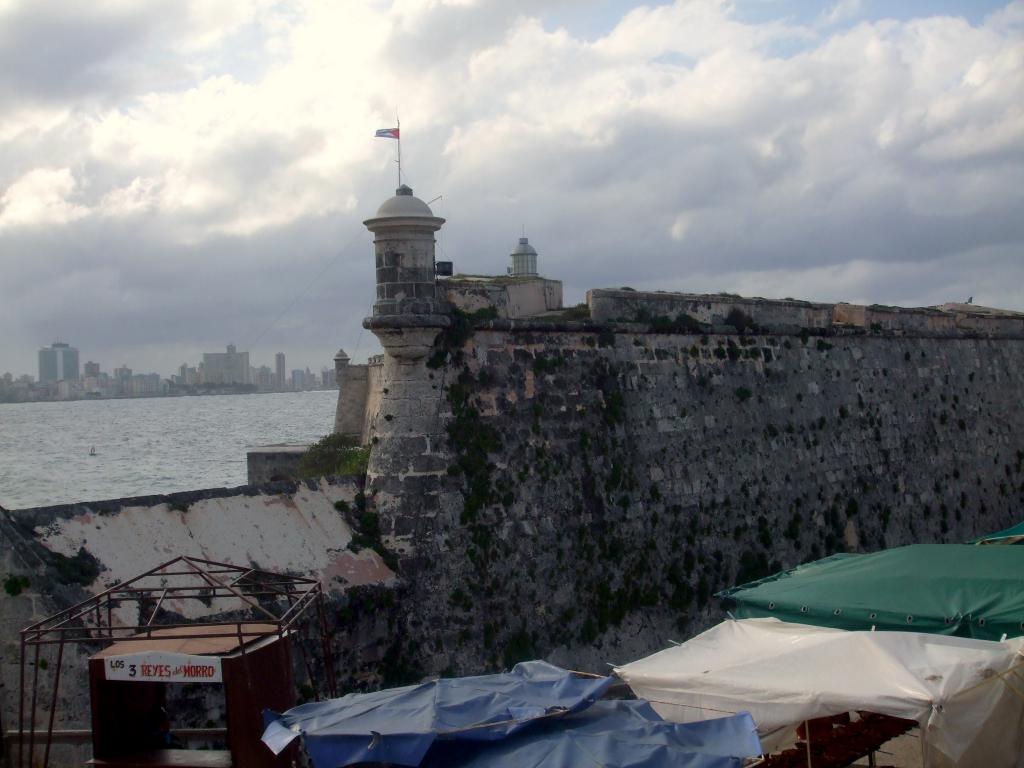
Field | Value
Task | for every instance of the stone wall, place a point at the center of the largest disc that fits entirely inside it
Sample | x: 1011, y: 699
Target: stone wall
x: 710, y: 309
x: 787, y: 315
x: 353, y: 391
x: 509, y: 297
x: 374, y: 384
x: 580, y: 494
x: 273, y: 463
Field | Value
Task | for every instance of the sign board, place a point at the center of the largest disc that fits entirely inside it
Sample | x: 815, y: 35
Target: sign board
x: 162, y: 667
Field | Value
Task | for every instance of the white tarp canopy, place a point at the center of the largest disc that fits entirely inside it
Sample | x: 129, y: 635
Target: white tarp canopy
x: 967, y: 695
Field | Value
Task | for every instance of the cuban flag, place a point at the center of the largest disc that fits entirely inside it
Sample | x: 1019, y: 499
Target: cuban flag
x: 387, y: 133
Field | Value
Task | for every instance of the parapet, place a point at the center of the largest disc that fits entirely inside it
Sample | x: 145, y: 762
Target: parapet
x: 511, y: 296
x: 789, y: 315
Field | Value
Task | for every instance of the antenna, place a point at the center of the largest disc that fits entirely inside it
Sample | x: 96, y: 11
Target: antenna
x: 398, y: 125
x: 435, y: 199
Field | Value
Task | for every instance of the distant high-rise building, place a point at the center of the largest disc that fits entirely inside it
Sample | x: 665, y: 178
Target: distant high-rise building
x: 123, y: 380
x: 264, y: 378
x: 92, y: 369
x: 298, y: 379
x: 58, y: 362
x: 231, y: 367
x: 279, y: 379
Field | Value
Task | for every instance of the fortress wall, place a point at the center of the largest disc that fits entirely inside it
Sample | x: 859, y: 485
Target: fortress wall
x: 353, y: 392
x: 789, y: 314
x: 374, y: 383
x: 580, y: 495
x: 510, y: 297
x: 712, y: 309
x: 273, y: 463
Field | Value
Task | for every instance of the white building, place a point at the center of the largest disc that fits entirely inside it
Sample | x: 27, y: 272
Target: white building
x: 231, y: 367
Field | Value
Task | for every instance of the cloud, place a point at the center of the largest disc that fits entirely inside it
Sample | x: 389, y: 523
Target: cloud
x: 40, y: 197
x: 177, y: 173
x: 839, y: 12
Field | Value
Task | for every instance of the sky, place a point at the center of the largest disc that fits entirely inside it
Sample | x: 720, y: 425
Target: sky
x: 177, y: 175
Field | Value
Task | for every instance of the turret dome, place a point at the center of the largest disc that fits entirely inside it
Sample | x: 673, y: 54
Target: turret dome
x: 524, y: 259
x: 403, y: 205
x: 524, y: 248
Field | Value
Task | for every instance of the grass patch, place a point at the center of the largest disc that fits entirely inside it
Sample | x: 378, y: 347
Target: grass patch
x: 334, y: 455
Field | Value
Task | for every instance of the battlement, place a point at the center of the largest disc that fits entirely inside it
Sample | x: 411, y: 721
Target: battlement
x: 723, y: 311
x: 510, y: 296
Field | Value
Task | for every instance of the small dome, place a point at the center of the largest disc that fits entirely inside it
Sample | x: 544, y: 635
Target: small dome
x: 403, y: 205
x: 524, y: 248
x: 341, y: 355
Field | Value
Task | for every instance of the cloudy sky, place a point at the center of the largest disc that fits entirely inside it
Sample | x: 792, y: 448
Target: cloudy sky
x: 180, y: 174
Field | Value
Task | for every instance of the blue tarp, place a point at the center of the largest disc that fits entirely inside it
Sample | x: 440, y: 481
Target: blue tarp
x: 611, y: 734
x: 399, y: 725
x: 536, y: 716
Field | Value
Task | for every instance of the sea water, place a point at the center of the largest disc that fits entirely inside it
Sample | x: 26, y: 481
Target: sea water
x: 145, y: 445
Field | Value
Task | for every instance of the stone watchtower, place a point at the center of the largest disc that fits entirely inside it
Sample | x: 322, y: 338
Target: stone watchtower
x: 407, y: 427
x: 407, y: 300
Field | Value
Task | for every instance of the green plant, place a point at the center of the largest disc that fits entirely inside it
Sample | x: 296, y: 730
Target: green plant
x: 472, y: 440
x: 82, y: 569
x: 606, y: 338
x: 743, y: 394
x: 740, y: 320
x: 451, y: 339
x: 335, y: 454
x: 578, y: 312
x: 682, y: 323
x: 545, y: 363
x: 14, y: 584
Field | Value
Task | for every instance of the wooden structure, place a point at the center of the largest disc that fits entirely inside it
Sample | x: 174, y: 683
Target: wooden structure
x: 146, y: 645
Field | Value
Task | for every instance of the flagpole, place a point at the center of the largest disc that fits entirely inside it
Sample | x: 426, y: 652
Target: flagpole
x: 398, y: 124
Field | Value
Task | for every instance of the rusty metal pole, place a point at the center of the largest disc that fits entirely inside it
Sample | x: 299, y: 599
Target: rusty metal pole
x: 32, y: 713
x: 325, y: 641
x: 53, y: 703
x: 21, y: 705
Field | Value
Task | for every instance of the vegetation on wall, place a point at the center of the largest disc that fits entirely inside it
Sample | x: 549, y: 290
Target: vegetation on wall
x: 80, y: 569
x: 332, y: 455
x: 448, y: 347
x: 14, y: 584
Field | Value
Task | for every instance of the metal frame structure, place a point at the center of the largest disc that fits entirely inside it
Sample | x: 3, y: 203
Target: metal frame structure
x: 278, y: 600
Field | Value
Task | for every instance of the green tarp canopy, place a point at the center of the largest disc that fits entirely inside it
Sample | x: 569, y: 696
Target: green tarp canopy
x: 948, y: 589
x: 1014, y: 535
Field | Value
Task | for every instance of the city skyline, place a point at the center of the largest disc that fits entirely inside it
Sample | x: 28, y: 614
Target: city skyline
x: 171, y: 370
x: 84, y: 363
x: 177, y: 179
